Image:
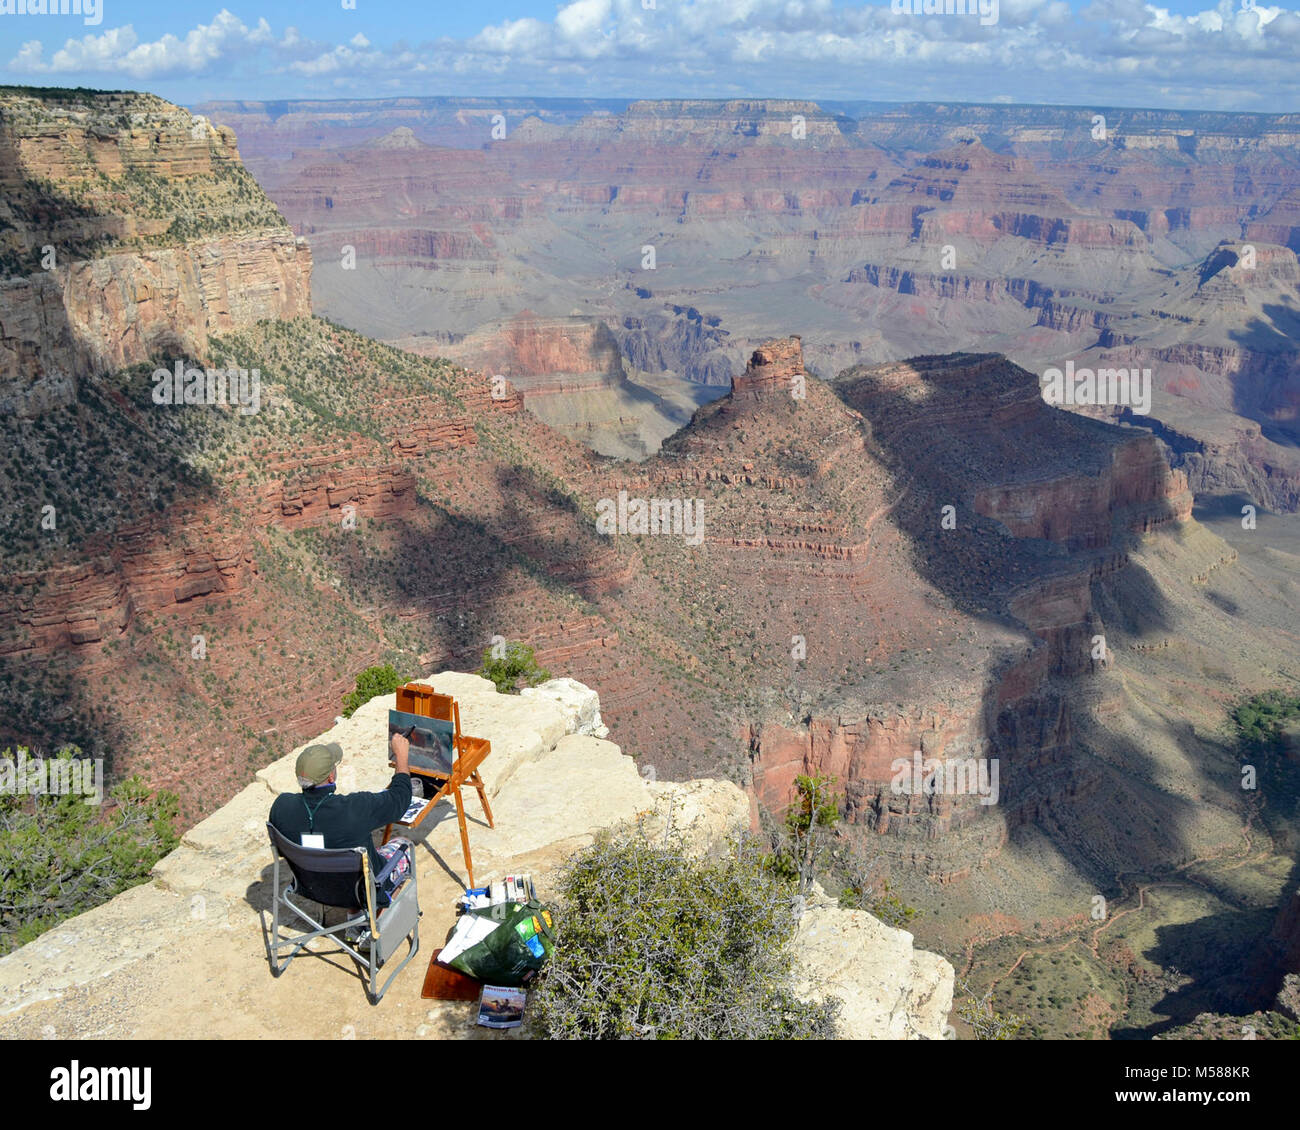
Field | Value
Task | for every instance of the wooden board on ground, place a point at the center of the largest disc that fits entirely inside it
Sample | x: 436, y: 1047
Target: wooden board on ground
x: 444, y: 984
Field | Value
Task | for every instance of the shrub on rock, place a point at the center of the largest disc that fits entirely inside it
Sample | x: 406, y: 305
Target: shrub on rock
x: 654, y: 944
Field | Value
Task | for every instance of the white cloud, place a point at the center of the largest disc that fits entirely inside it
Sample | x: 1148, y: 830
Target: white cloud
x: 511, y: 36
x: 1041, y: 49
x: 582, y: 18
x: 354, y: 58
x: 119, y: 50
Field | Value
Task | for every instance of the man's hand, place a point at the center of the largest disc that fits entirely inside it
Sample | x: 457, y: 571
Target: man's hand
x: 401, y: 751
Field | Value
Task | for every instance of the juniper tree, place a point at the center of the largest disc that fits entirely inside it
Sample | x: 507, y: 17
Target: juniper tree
x: 653, y: 944
x: 60, y: 856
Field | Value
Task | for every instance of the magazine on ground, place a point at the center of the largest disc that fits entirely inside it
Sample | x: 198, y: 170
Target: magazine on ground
x: 431, y: 744
x: 501, y: 1007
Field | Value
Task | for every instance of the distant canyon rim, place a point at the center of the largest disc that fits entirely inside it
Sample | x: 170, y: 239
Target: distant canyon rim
x: 876, y: 232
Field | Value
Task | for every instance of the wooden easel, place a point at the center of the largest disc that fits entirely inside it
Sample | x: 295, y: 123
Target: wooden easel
x: 467, y: 755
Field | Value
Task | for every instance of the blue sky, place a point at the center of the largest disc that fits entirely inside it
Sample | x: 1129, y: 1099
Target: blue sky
x: 1193, y: 54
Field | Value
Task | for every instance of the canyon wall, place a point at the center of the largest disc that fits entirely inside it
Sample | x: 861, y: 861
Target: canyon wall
x: 1091, y: 494
x: 101, y: 284
x: 876, y: 232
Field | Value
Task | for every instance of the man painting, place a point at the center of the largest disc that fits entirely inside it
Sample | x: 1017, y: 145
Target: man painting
x: 320, y: 816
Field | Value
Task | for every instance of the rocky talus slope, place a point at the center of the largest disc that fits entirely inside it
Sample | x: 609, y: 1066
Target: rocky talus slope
x: 182, y: 955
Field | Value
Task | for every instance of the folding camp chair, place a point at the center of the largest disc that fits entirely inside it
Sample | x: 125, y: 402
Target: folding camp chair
x: 464, y: 753
x: 341, y: 877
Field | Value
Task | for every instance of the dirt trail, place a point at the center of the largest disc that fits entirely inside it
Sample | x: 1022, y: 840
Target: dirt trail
x: 1244, y: 854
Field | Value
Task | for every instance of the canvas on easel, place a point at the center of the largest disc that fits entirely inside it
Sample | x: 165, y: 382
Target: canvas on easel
x: 432, y: 743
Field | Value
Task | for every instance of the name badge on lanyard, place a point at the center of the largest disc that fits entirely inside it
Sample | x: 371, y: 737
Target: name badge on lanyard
x: 309, y: 840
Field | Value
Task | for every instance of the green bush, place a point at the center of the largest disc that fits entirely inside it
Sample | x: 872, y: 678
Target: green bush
x: 800, y: 851
x: 517, y: 663
x: 887, y: 906
x: 60, y: 856
x: 371, y: 682
x: 986, y: 1023
x: 652, y: 944
x: 1260, y: 718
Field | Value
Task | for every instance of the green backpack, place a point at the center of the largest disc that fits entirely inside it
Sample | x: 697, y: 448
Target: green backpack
x: 513, y: 953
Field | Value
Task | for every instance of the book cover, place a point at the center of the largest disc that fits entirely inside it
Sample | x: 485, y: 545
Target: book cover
x: 501, y: 1007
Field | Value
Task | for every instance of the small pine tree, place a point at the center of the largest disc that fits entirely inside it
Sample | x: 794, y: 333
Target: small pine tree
x: 806, y: 836
x: 372, y: 682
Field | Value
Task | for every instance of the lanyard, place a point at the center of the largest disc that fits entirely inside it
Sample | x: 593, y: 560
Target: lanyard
x: 311, y: 812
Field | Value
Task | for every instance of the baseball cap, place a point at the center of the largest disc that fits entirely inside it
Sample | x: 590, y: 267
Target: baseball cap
x: 317, y: 762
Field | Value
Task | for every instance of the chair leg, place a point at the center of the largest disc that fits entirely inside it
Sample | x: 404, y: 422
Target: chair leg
x: 273, y: 950
x: 298, y: 943
x: 413, y: 941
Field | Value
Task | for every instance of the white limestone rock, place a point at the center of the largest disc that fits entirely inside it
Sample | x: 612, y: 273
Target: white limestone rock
x: 580, y: 704
x: 705, y: 814
x: 890, y: 989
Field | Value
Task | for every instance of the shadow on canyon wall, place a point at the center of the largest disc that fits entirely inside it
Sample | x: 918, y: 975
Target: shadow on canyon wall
x: 1082, y: 782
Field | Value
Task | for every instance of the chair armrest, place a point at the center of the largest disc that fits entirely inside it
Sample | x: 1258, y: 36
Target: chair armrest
x: 387, y: 868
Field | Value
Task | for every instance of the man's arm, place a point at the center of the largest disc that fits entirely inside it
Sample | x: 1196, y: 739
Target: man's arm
x: 396, y: 799
x: 401, y: 750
